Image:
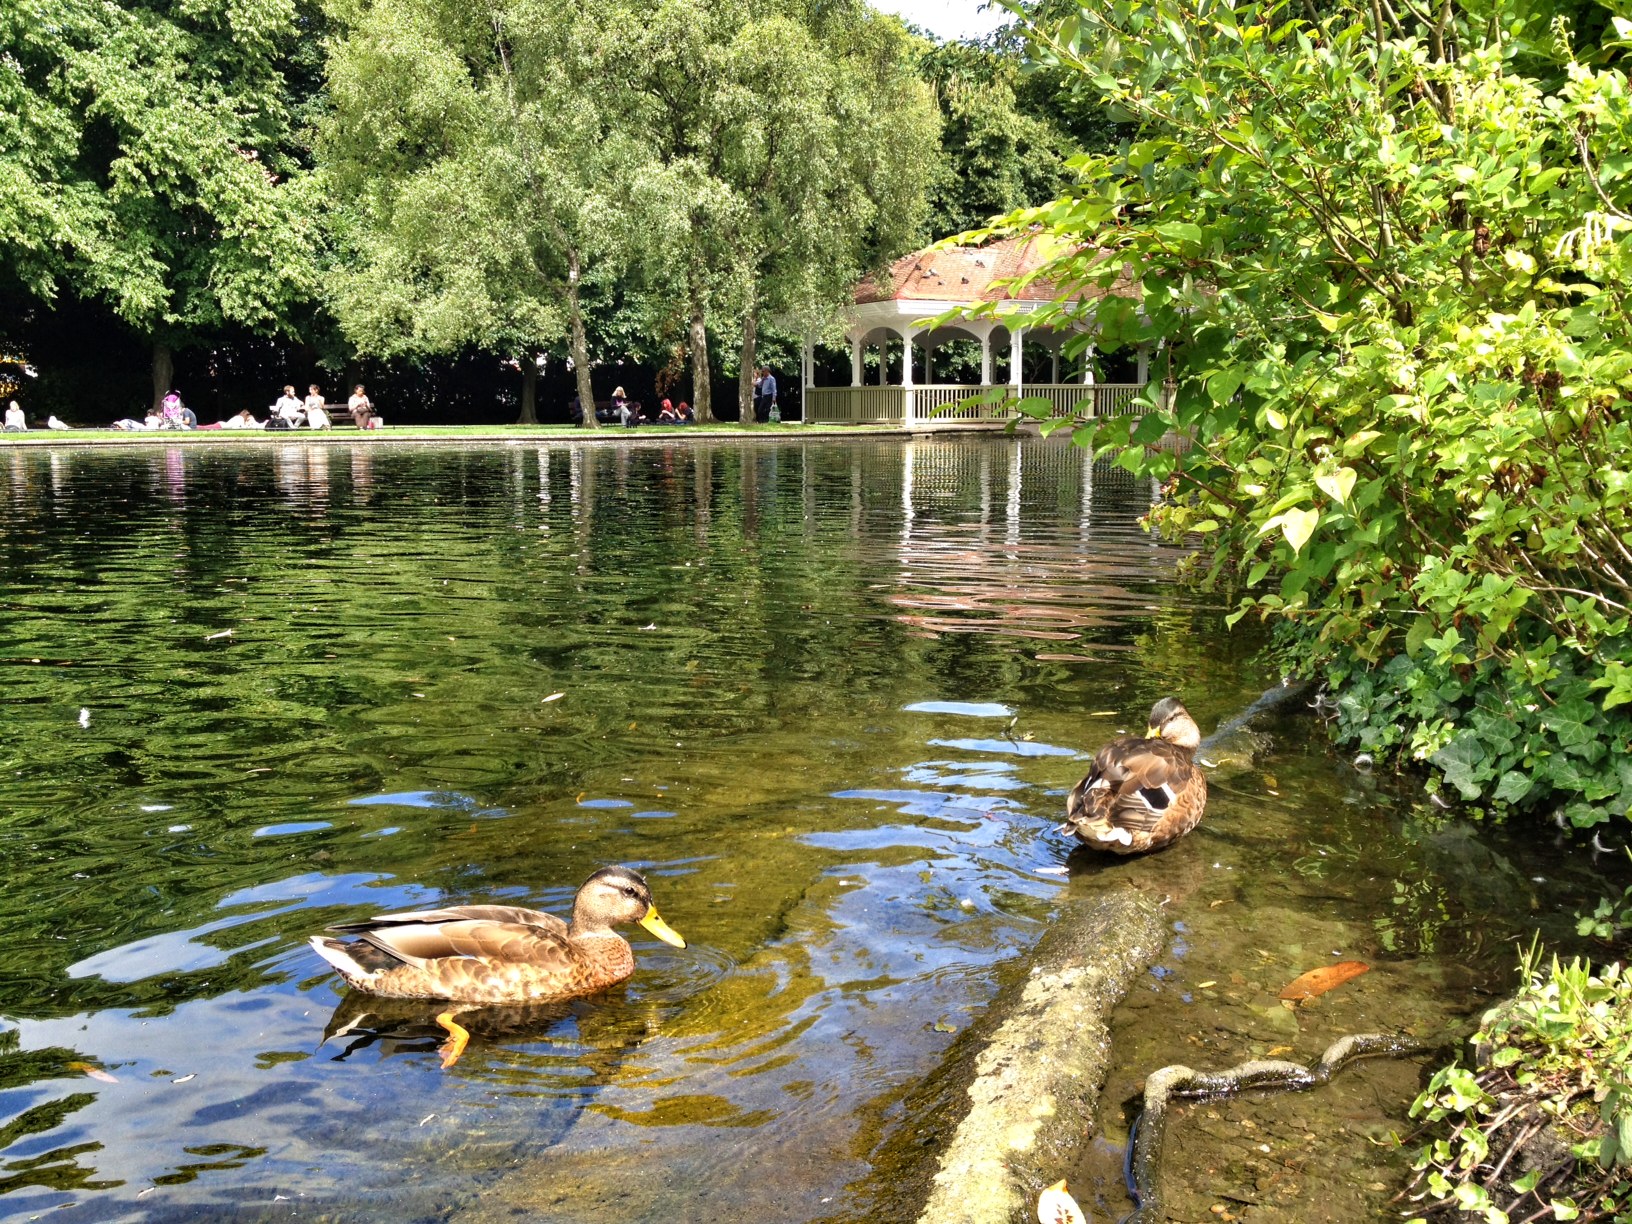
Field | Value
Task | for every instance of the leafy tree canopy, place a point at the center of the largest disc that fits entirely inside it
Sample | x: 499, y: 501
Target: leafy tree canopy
x: 149, y: 159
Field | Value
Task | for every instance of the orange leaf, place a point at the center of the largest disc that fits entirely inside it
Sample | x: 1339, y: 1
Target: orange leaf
x: 1319, y: 981
x: 95, y: 1073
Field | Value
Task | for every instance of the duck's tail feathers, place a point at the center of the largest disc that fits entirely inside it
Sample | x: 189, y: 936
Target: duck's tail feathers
x: 338, y: 954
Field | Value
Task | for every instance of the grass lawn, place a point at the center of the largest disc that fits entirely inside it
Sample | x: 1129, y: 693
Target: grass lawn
x: 426, y: 433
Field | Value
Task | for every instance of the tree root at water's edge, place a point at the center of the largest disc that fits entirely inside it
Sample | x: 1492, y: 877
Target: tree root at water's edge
x: 1262, y: 1074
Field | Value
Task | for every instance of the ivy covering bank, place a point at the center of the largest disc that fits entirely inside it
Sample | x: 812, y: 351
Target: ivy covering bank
x: 1387, y: 248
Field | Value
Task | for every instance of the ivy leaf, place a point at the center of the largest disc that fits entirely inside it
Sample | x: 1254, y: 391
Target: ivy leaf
x: 1463, y: 761
x: 1513, y: 787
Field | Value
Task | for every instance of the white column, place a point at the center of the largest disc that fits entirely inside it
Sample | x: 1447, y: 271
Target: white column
x: 929, y: 362
x: 1016, y: 354
x: 855, y: 361
x: 1054, y: 375
x: 908, y: 395
x: 1088, y: 366
x: 986, y: 357
x: 1144, y: 365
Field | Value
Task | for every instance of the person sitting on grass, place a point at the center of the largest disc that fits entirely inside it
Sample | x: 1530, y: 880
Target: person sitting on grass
x: 173, y: 414
x: 14, y: 419
x: 666, y: 414
x: 683, y: 415
x: 242, y: 419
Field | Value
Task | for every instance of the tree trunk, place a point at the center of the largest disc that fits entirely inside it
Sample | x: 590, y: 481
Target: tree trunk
x: 702, y: 398
x: 750, y: 354
x: 529, y: 390
x: 579, y: 342
x: 164, y: 372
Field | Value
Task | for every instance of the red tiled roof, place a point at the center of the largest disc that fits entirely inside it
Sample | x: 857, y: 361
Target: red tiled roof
x: 970, y: 274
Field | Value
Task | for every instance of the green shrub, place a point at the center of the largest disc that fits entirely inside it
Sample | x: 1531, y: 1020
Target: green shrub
x: 1544, y: 1126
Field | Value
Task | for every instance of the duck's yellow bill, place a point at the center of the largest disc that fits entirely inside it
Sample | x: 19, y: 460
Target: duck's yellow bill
x: 1153, y: 733
x: 661, y: 929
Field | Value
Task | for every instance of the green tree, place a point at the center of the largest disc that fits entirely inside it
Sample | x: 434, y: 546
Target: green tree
x: 150, y: 161
x: 830, y: 157
x: 492, y: 173
x: 792, y: 142
x: 1388, y: 255
x: 995, y: 156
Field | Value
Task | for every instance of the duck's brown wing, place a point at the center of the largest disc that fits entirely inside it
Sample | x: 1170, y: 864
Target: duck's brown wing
x: 1134, y: 784
x: 458, y: 913
x: 418, y: 943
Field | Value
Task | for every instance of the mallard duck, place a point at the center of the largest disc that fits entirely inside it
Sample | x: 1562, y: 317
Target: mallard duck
x: 500, y: 953
x: 1142, y: 794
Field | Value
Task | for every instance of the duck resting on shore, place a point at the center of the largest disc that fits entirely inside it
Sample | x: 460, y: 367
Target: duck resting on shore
x: 1142, y: 793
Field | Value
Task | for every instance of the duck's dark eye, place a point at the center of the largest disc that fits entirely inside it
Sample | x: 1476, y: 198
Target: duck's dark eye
x: 629, y: 890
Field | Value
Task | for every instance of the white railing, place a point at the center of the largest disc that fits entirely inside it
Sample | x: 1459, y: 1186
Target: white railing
x: 945, y: 402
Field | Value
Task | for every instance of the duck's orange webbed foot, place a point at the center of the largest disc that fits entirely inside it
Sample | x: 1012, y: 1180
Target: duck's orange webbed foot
x: 458, y: 1039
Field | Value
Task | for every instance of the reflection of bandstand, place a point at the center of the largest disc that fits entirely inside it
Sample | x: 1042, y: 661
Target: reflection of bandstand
x: 896, y: 317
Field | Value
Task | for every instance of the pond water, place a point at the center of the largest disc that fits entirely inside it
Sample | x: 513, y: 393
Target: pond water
x: 828, y: 696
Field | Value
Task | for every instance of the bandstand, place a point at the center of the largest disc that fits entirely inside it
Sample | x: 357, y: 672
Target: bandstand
x: 897, y: 317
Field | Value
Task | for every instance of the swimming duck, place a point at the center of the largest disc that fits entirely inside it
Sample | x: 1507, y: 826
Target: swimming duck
x: 500, y: 953
x: 1142, y: 794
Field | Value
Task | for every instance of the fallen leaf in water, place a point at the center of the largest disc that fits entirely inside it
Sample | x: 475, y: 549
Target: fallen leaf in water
x: 1318, y: 981
x: 1224, y: 901
x: 215, y: 636
x: 185, y: 1078
x: 554, y: 697
x: 941, y: 1026
x: 1205, y: 985
x: 1276, y: 1050
x: 1059, y: 871
x: 1056, y: 1206
x: 95, y: 1073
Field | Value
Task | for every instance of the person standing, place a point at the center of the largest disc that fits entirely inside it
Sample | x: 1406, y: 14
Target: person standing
x: 765, y: 395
